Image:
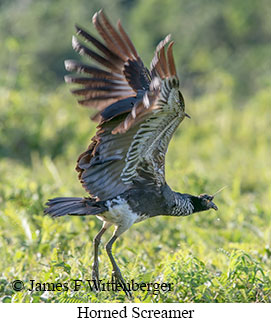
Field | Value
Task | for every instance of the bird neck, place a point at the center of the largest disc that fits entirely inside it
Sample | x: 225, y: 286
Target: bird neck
x: 182, y: 205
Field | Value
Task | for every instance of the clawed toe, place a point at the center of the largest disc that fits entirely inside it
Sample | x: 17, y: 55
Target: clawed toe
x: 117, y: 278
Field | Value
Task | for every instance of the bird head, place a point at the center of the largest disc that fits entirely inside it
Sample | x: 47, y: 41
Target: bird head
x: 206, y: 202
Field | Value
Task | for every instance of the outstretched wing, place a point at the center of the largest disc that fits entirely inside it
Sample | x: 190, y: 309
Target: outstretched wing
x: 137, y: 119
x: 122, y: 74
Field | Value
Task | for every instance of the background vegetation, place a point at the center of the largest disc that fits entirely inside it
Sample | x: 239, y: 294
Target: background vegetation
x: 222, y: 50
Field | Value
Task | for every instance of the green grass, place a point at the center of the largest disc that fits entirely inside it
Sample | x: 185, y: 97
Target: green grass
x: 222, y: 256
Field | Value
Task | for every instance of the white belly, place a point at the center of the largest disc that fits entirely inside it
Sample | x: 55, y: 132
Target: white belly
x: 119, y: 214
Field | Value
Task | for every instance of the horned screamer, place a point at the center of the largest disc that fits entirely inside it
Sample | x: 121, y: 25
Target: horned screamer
x: 138, y: 110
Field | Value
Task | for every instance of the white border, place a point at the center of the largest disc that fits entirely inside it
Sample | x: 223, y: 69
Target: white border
x: 66, y: 313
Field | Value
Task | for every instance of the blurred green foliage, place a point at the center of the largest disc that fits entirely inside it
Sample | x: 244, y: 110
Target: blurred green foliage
x: 212, y: 39
x: 222, y: 49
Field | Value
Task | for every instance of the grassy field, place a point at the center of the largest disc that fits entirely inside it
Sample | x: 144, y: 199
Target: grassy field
x: 222, y: 256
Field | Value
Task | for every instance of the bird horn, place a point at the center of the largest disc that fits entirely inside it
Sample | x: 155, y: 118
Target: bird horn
x: 221, y: 189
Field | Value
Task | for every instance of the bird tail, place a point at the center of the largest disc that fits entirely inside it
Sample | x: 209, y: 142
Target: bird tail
x: 60, y: 206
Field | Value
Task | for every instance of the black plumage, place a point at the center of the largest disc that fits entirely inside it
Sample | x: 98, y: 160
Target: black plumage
x: 138, y: 110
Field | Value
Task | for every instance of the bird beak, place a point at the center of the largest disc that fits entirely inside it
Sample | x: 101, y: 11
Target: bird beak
x: 211, y: 205
x: 188, y: 116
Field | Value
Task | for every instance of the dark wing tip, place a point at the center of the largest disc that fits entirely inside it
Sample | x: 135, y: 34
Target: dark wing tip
x: 78, y: 29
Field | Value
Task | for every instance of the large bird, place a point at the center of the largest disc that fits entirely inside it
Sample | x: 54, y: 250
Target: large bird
x: 138, y: 110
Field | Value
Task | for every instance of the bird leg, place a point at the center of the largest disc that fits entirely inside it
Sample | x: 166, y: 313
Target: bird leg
x: 116, y: 273
x: 95, y: 266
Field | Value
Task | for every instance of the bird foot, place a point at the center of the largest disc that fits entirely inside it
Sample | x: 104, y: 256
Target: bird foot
x: 118, y: 279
